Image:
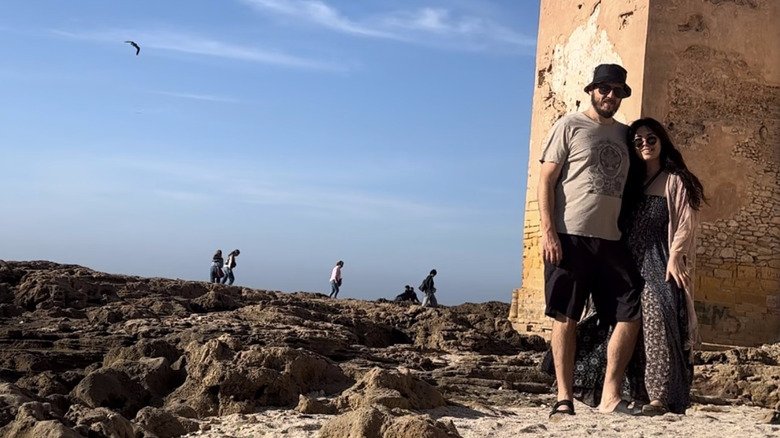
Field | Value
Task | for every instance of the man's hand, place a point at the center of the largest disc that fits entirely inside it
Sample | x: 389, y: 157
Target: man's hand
x: 677, y: 270
x: 551, y: 244
x: 551, y: 248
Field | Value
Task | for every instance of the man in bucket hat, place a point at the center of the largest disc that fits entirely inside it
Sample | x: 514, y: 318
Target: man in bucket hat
x: 584, y: 170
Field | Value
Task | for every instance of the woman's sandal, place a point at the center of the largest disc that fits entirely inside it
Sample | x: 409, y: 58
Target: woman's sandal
x: 560, y: 403
x: 650, y: 410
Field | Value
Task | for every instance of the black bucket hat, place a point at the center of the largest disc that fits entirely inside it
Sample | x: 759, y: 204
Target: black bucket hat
x: 609, y: 73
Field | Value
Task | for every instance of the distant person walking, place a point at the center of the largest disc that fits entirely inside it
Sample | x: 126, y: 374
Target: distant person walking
x: 230, y: 263
x: 335, y: 279
x: 427, y: 287
x: 216, y: 267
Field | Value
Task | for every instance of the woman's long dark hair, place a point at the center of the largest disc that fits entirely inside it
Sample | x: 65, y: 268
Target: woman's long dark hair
x: 671, y: 161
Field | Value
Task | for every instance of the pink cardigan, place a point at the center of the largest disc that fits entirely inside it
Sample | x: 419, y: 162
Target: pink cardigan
x: 682, y: 239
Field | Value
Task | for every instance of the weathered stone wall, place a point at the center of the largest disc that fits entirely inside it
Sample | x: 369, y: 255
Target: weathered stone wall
x: 715, y: 83
x: 574, y: 37
x: 710, y: 70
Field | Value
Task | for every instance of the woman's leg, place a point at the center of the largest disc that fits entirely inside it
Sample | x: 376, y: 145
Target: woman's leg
x: 334, y: 289
x: 656, y: 347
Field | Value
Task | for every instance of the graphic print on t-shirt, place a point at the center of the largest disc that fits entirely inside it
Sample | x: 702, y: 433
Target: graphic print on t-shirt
x: 605, y: 176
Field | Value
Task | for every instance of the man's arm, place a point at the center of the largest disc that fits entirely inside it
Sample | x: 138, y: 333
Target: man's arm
x: 551, y: 245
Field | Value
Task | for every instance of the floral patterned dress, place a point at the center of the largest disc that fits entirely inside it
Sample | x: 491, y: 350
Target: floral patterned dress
x: 668, y: 372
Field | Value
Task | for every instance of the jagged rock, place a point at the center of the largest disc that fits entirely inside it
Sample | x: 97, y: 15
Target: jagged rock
x: 308, y: 405
x: 181, y: 410
x: 125, y: 343
x: 772, y: 417
x: 155, y: 375
x: 223, y: 381
x: 379, y: 422
x: 419, y: 426
x: 216, y: 301
x: 33, y: 420
x: 143, y: 348
x: 756, y: 383
x: 164, y: 424
x: 11, y: 398
x: 43, y: 384
x: 391, y: 389
x: 113, y: 389
x: 100, y: 422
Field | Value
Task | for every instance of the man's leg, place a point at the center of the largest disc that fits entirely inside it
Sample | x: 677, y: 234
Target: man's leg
x: 564, y: 339
x: 619, y: 351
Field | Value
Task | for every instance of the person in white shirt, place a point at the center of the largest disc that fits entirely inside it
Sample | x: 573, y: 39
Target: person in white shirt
x: 230, y: 264
x: 335, y: 279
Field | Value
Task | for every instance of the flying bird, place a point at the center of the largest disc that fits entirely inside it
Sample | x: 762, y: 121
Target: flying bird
x: 137, y: 47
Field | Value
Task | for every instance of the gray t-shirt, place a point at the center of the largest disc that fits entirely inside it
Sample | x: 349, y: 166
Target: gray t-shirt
x: 595, y: 166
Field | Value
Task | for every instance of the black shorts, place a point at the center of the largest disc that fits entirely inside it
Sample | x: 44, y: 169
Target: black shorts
x: 602, y: 268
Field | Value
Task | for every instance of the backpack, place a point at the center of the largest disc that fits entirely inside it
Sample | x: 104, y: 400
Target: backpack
x: 422, y: 286
x: 232, y: 262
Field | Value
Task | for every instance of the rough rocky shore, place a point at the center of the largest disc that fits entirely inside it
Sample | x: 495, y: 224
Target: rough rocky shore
x: 89, y: 354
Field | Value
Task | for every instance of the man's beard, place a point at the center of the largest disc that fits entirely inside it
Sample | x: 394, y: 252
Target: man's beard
x: 602, y: 112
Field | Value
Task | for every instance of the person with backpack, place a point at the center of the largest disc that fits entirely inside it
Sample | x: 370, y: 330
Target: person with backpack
x: 427, y: 288
x: 230, y: 263
x: 216, y: 267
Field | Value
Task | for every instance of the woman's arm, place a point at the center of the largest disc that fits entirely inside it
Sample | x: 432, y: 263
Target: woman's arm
x: 682, y: 221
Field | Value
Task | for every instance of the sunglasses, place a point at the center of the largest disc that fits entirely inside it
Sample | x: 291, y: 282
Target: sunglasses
x: 619, y: 91
x: 640, y: 140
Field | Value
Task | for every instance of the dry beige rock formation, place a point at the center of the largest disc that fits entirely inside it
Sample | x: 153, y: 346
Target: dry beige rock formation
x: 91, y: 354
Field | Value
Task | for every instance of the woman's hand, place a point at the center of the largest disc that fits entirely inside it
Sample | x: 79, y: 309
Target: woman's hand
x: 677, y: 269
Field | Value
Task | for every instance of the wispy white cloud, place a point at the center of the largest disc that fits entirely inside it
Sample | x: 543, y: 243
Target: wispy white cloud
x: 446, y: 23
x: 197, y: 45
x: 197, y: 96
x: 317, y: 12
x: 428, y: 26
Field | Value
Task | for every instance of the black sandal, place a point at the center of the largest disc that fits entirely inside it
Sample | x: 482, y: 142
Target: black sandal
x: 650, y: 410
x: 557, y: 408
x: 624, y: 409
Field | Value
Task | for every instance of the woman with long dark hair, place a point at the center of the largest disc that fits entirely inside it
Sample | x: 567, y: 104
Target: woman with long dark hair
x: 215, y: 273
x: 663, y: 198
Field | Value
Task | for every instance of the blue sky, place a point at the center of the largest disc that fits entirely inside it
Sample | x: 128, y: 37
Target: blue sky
x: 392, y: 135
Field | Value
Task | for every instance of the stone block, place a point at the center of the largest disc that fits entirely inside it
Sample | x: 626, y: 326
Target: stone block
x: 719, y: 296
x: 756, y: 300
x: 768, y: 273
x: 770, y: 286
x: 746, y: 272
x: 723, y: 273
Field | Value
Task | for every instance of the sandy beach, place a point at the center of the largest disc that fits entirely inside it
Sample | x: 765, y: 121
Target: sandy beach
x: 481, y: 421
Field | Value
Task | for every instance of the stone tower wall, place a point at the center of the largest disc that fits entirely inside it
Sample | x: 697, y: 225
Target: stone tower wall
x: 709, y: 70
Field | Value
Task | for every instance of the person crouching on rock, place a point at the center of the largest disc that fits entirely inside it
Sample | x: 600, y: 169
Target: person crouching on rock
x: 216, y: 267
x: 429, y: 290
x: 230, y: 264
x: 407, y: 295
